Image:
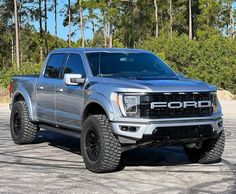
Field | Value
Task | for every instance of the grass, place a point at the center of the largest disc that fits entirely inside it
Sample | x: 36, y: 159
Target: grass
x: 4, y: 95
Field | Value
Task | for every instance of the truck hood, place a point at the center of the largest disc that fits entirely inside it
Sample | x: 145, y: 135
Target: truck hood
x: 160, y: 85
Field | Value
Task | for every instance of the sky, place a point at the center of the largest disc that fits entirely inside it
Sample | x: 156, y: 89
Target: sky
x: 61, y: 30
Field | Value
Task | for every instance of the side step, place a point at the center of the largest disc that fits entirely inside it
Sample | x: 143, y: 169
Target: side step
x: 63, y: 131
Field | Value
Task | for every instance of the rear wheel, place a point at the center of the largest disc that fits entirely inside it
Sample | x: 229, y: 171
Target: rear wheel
x: 23, y: 131
x: 100, y: 148
x: 210, y: 151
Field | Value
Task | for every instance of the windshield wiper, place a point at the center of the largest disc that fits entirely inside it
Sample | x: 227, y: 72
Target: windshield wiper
x: 126, y: 74
x: 143, y: 75
x: 104, y: 75
x: 156, y: 78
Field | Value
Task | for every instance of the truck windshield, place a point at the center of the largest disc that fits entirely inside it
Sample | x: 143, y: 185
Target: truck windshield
x: 129, y: 65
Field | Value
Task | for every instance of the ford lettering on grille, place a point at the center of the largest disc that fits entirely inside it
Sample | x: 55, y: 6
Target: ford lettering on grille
x: 185, y: 104
x: 176, y: 105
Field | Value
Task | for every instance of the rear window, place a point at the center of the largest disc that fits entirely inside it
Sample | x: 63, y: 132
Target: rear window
x: 55, y: 65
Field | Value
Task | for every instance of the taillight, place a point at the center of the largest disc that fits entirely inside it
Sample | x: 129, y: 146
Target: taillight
x: 11, y: 88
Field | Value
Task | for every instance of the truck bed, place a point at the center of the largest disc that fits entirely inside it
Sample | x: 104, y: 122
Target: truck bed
x: 25, y: 83
x: 26, y: 76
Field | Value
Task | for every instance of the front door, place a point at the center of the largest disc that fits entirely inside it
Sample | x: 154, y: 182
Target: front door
x: 70, y: 99
x: 46, y: 88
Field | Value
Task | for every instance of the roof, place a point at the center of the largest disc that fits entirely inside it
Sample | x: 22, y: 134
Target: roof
x: 87, y: 50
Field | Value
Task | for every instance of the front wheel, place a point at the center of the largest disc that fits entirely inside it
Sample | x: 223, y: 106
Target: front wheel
x: 100, y: 148
x: 210, y: 151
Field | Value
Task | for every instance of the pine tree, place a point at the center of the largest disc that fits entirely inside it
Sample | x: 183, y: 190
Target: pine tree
x: 17, y: 34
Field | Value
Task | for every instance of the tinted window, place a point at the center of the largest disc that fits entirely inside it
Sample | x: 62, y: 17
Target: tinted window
x: 94, y: 59
x: 75, y: 65
x: 135, y: 65
x: 55, y: 65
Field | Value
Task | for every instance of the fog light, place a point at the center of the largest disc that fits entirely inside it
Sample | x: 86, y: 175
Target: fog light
x: 220, y: 124
x: 128, y: 128
x: 124, y: 128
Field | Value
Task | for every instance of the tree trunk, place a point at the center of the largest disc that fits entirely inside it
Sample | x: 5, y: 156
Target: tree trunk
x: 46, y: 25
x: 171, y: 18
x: 12, y: 50
x: 40, y: 32
x: 156, y: 19
x: 69, y: 23
x: 231, y: 22
x: 105, y: 33
x: 110, y: 35
x: 110, y: 27
x: 104, y: 28
x: 81, y: 22
x: 228, y: 20
x: 17, y: 35
x: 93, y: 28
x: 55, y: 16
x: 190, y: 20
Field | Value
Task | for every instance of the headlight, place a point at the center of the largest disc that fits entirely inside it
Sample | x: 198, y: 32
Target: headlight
x: 215, y: 102
x: 129, y: 105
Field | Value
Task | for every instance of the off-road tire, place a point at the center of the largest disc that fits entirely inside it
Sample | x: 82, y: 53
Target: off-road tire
x: 109, y: 149
x: 210, y: 151
x: 25, y: 131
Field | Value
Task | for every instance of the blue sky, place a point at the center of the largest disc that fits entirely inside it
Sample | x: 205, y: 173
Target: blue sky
x: 61, y: 30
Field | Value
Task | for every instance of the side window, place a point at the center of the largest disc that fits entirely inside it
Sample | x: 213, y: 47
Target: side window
x: 54, y: 65
x: 93, y: 59
x: 75, y: 65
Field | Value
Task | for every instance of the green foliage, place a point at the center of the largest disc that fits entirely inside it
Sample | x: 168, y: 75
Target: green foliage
x: 212, y: 60
x: 6, y: 74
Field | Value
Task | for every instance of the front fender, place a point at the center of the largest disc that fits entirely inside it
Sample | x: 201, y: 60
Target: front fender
x: 103, y: 102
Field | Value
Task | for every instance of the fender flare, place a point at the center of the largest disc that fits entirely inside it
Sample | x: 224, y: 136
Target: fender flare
x: 30, y: 107
x: 103, y: 102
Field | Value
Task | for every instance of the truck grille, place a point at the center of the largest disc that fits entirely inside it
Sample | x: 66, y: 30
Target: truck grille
x: 204, y: 131
x: 165, y: 112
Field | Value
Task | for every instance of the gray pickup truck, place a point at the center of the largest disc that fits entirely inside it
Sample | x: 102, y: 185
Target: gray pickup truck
x: 116, y: 100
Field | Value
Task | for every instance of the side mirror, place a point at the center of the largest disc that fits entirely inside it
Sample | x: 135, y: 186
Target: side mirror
x: 181, y: 75
x: 73, y: 79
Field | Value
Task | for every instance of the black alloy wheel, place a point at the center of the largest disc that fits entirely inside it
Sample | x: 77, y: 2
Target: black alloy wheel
x: 92, y: 144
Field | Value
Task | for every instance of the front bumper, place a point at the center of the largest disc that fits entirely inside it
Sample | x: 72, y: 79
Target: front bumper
x: 148, y: 128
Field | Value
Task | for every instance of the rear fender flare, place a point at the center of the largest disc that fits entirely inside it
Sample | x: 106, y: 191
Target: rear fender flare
x: 31, y: 109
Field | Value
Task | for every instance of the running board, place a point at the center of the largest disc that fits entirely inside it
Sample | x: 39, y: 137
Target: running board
x: 63, y: 131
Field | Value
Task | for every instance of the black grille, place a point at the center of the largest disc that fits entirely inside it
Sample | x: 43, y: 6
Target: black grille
x: 201, y: 131
x: 165, y: 112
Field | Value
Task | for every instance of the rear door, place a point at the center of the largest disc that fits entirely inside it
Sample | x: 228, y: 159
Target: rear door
x: 46, y: 88
x: 70, y: 99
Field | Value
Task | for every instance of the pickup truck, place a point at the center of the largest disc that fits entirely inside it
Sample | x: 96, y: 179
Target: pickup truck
x: 115, y: 100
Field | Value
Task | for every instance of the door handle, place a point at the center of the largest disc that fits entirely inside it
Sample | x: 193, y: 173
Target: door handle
x: 40, y: 87
x: 60, y: 90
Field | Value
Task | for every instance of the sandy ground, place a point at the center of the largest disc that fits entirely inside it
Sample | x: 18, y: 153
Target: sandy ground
x: 54, y: 165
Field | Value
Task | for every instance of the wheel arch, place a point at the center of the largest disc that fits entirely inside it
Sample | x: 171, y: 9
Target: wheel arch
x: 22, y: 95
x: 93, y: 108
x: 99, y: 101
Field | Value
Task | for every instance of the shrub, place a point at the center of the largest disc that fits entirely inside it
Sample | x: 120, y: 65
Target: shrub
x: 6, y: 74
x: 212, y: 60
